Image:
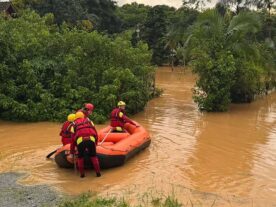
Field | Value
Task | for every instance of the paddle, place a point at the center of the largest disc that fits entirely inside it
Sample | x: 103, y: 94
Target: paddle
x: 105, y: 137
x: 50, y: 154
x: 75, y: 164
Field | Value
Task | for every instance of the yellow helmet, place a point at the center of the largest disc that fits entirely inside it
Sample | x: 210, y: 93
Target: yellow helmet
x: 121, y: 103
x: 79, y: 114
x: 71, y: 117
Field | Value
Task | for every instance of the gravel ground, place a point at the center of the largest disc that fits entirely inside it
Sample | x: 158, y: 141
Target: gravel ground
x: 13, y: 194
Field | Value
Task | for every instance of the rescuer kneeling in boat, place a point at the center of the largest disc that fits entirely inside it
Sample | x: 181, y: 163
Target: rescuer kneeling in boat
x: 118, y: 118
x: 85, y: 138
x: 87, y: 109
x: 65, y: 133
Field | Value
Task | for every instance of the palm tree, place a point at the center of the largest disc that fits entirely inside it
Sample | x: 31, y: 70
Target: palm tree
x: 215, y: 38
x: 171, y: 40
x: 183, y: 51
x: 267, y: 5
x: 177, y: 39
x: 237, y: 35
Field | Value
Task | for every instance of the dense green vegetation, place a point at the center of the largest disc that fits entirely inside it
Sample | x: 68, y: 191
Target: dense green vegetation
x: 132, y: 15
x: 233, y: 65
x: 156, y: 27
x: 152, y: 23
x: 232, y: 52
x: 48, y: 71
x: 94, y: 51
x: 89, y: 14
x: 231, y: 47
x: 228, y: 59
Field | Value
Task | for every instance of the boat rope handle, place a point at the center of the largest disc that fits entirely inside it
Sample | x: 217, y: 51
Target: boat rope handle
x: 114, y: 149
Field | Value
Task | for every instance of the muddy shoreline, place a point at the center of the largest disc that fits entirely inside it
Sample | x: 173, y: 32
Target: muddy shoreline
x: 17, y: 195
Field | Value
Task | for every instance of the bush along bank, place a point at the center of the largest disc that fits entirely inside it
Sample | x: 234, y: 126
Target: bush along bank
x: 48, y: 71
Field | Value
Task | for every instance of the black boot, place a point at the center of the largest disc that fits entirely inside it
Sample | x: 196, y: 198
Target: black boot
x: 81, y: 167
x: 96, y: 165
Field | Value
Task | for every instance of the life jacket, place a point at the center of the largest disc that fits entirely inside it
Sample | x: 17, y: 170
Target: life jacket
x: 84, y: 127
x: 116, y: 120
x: 65, y: 130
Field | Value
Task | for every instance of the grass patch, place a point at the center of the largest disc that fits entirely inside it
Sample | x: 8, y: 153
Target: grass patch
x: 87, y: 200
x: 171, y: 202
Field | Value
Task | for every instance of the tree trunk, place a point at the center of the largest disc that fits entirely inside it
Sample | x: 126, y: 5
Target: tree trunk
x: 184, y: 63
x: 269, y: 24
x: 172, y: 66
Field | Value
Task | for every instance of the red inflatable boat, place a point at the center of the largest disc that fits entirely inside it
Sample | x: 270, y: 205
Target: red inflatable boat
x: 113, y: 149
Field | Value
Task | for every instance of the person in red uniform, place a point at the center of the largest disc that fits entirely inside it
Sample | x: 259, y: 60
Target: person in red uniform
x: 87, y: 109
x: 65, y: 133
x: 118, y: 117
x: 85, y: 139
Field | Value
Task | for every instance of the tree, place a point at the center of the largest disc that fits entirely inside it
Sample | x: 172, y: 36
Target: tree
x: 132, y: 14
x: 104, y: 16
x: 196, y: 4
x: 73, y: 12
x: 268, y: 6
x: 183, y: 52
x: 178, y: 38
x: 154, y: 31
x: 259, y: 4
x: 47, y: 72
x: 171, y: 44
x: 237, y: 4
x: 226, y: 56
x: 70, y: 11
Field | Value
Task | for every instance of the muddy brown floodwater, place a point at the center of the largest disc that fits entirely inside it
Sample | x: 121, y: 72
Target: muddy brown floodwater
x: 226, y: 159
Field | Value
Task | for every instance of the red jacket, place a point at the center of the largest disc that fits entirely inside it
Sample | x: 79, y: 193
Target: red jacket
x: 65, y: 133
x: 82, y: 127
x: 118, y: 118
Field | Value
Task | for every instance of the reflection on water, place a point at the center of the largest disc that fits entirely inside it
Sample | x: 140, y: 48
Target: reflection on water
x: 224, y: 158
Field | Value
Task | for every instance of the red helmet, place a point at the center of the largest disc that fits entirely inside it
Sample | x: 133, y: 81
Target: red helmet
x: 89, y: 106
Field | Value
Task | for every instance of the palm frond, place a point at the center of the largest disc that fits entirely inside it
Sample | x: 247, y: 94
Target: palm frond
x: 187, y: 42
x: 245, y: 23
x: 211, y: 23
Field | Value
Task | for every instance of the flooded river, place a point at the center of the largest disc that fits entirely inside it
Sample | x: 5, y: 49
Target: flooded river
x: 225, y: 159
